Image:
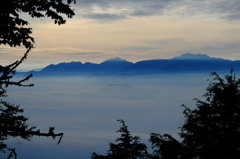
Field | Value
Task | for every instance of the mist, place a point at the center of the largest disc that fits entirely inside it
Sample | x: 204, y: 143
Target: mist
x: 86, y: 110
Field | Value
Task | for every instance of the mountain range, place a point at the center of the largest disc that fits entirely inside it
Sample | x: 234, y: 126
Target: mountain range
x: 185, y: 63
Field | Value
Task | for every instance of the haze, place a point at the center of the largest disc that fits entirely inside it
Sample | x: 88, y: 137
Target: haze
x: 86, y: 109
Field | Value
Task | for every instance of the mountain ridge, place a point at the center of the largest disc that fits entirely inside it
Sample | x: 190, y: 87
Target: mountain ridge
x: 185, y: 63
x: 195, y: 56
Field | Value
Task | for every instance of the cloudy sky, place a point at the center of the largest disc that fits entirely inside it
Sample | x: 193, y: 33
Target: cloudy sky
x: 135, y: 30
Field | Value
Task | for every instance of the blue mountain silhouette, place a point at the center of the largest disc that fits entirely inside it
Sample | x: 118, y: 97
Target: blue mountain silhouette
x: 189, y: 56
x: 186, y: 63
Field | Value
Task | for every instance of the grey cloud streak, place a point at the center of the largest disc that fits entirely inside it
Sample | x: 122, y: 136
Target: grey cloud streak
x: 104, y: 16
x: 80, y: 53
x: 222, y: 9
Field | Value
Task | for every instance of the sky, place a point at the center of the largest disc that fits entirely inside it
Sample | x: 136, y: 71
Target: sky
x: 134, y: 30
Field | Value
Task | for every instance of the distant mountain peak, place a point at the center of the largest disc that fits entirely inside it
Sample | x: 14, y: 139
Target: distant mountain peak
x: 189, y: 56
x: 116, y: 59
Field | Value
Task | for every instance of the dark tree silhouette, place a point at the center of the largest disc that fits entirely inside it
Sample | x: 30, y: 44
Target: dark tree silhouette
x: 211, y: 130
x: 12, y: 122
x: 13, y: 32
x: 128, y: 147
x: 165, y: 147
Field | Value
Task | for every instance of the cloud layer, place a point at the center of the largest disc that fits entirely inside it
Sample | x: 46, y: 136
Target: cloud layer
x: 135, y: 30
x: 121, y: 9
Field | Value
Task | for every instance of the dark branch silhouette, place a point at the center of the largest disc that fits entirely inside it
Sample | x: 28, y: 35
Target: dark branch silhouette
x: 12, y: 124
x: 13, y: 32
x: 7, y: 73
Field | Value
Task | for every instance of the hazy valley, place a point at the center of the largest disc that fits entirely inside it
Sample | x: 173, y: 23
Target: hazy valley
x: 86, y: 104
x: 86, y: 109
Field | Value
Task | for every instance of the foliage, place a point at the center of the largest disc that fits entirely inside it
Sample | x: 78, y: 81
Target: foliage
x: 211, y: 130
x: 13, y: 28
x: 12, y: 123
x: 14, y: 32
x: 165, y: 147
x: 128, y: 147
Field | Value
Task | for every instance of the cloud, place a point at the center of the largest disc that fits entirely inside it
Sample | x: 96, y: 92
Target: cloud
x: 10, y: 55
x: 221, y: 9
x: 105, y: 16
x: 80, y: 53
x: 120, y: 9
x: 4, y: 54
x: 233, y: 16
x: 141, y: 48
